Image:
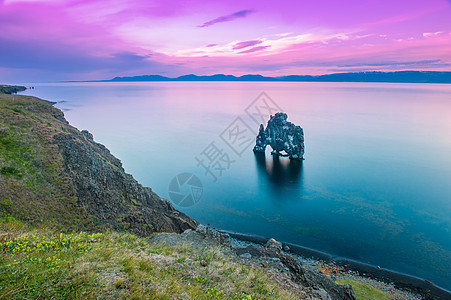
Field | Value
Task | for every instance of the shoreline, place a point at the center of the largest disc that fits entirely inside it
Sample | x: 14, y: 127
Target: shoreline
x: 418, y: 285
x: 401, y: 280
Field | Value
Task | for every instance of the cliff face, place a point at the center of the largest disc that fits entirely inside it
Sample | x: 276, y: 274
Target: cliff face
x: 51, y: 172
x: 113, y: 197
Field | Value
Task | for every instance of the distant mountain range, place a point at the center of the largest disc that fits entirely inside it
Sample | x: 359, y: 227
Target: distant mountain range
x: 399, y: 76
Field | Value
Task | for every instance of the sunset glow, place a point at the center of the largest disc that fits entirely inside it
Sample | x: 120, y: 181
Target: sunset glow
x: 88, y: 40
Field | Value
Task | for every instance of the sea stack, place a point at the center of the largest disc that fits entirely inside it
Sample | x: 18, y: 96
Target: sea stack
x: 281, y: 135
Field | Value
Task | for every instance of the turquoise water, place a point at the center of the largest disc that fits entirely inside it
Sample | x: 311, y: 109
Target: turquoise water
x: 374, y: 185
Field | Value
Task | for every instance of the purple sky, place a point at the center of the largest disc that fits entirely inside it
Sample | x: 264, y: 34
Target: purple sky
x: 99, y: 39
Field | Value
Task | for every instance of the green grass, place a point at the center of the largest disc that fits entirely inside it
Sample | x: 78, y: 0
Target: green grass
x: 41, y: 263
x: 364, y: 291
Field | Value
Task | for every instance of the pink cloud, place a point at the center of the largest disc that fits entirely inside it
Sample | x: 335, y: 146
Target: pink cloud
x: 253, y: 49
x: 227, y: 18
x: 246, y: 44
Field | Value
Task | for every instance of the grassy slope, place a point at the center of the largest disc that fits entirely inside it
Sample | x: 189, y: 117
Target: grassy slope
x: 363, y: 291
x: 33, y: 185
x: 38, y: 263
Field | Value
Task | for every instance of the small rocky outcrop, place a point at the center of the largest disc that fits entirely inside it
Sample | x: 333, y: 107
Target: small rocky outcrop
x: 281, y: 135
x: 11, y: 89
x: 321, y: 284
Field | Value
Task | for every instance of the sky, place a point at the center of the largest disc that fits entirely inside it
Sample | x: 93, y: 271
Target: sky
x: 52, y: 40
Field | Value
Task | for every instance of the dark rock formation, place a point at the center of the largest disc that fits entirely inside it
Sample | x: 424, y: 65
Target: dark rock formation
x: 316, y: 282
x: 281, y: 135
x: 113, y: 197
x: 11, y: 89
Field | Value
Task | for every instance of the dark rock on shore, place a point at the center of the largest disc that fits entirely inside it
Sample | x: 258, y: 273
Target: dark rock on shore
x: 397, y: 285
x: 317, y: 282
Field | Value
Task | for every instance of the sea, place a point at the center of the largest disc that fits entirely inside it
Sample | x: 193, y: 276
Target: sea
x: 374, y: 185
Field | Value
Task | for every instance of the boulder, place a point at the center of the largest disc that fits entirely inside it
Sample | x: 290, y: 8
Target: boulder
x: 272, y: 243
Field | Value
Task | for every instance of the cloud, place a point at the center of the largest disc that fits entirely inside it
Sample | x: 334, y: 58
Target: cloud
x: 254, y: 49
x: 394, y: 63
x: 432, y: 34
x: 227, y: 18
x: 246, y: 44
x: 68, y: 62
x: 277, y: 45
x: 64, y: 58
x: 211, y: 45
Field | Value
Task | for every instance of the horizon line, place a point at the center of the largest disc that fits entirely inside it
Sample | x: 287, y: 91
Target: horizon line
x: 405, y: 76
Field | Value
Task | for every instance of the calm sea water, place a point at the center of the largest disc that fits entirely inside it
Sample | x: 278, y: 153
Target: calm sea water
x: 375, y: 184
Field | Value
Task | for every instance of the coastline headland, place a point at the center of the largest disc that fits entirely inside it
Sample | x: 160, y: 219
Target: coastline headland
x: 11, y: 89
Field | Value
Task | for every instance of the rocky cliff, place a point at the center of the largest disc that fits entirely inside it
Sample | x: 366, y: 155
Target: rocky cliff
x: 112, y: 196
x: 51, y: 172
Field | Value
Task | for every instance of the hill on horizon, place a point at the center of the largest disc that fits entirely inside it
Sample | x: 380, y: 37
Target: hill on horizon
x: 397, y: 76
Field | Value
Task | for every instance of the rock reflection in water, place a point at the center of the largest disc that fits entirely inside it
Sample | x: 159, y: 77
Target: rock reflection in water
x: 282, y: 175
